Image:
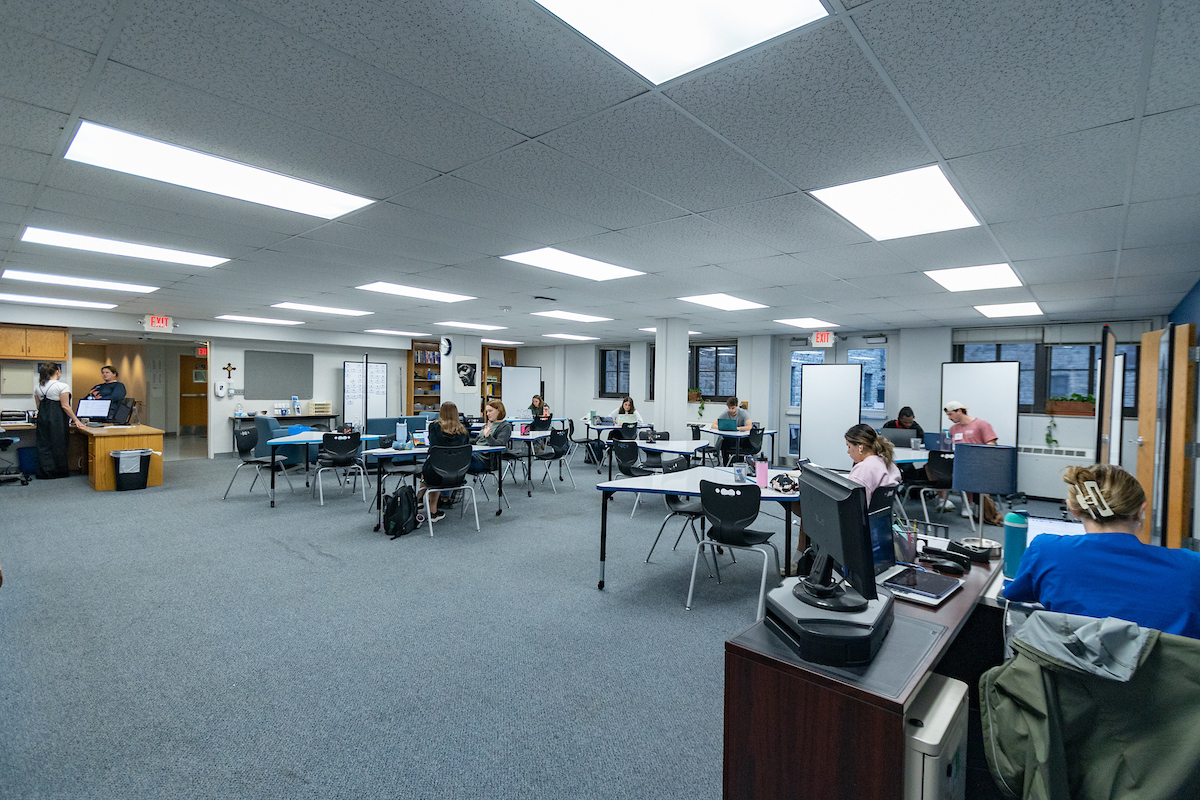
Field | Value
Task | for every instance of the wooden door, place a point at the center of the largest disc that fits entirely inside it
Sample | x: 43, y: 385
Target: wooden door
x: 1148, y: 433
x: 193, y: 394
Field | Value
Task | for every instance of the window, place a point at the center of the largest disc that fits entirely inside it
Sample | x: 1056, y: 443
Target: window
x: 713, y: 369
x: 614, y: 373
x: 1072, y: 370
x: 1130, y: 351
x: 799, y: 359
x: 874, y: 375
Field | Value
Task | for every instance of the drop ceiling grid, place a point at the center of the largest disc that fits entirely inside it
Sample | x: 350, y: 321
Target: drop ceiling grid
x: 511, y: 62
x: 791, y: 223
x: 235, y: 55
x: 1062, y: 234
x: 1067, y: 269
x: 629, y: 251
x: 701, y: 239
x: 856, y: 261
x: 1162, y: 222
x: 401, y: 220
x: 41, y: 72
x: 29, y: 127
x: 1174, y: 77
x: 965, y: 247
x: 1166, y: 163
x: 65, y: 21
x: 1154, y: 260
x: 778, y: 270
x: 372, y: 241
x: 792, y: 107
x: 90, y: 226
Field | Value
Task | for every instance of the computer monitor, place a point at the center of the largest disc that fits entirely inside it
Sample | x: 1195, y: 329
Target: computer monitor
x: 93, y: 409
x: 835, y: 519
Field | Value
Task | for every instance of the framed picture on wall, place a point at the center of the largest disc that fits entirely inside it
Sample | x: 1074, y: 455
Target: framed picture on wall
x: 495, y: 358
x: 200, y: 375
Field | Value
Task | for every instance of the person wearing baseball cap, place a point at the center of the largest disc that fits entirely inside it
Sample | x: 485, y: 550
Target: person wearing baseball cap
x: 966, y: 429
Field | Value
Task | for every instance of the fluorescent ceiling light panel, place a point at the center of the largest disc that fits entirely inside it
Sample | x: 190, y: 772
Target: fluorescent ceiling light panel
x: 655, y: 330
x: 970, y: 279
x: 396, y: 333
x: 1010, y: 310
x: 341, y: 312
x: 95, y: 244
x: 412, y: 291
x: 808, y: 322
x: 148, y: 158
x: 905, y: 204
x: 571, y: 316
x: 52, y: 301
x: 722, y: 301
x: 86, y: 283
x: 570, y: 264
x: 472, y: 326
x: 664, y: 39
x: 259, y: 320
x: 498, y: 341
x: 573, y: 337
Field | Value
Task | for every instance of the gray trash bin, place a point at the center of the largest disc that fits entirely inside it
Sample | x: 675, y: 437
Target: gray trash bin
x: 131, y: 468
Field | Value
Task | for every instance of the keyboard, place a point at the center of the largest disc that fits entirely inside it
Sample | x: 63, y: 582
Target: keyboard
x: 95, y: 424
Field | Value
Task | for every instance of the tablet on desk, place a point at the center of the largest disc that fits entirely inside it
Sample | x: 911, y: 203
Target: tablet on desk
x: 920, y: 586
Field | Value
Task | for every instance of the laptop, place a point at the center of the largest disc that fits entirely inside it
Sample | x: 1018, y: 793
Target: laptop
x: 727, y: 424
x: 627, y: 419
x: 121, y: 414
x: 1061, y: 527
x: 899, y: 437
x: 93, y: 409
x: 604, y: 420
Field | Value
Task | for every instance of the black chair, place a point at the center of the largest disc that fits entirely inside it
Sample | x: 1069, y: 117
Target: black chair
x: 730, y: 509
x: 747, y: 447
x: 679, y: 506
x: 941, y: 466
x: 627, y: 454
x: 339, y: 451
x: 556, y: 449
x: 445, y: 470
x: 540, y: 424
x: 246, y: 439
x: 491, y: 466
x: 653, y: 460
x: 574, y: 442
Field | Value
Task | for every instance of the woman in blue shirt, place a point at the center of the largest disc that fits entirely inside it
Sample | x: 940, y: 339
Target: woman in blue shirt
x: 1107, y: 571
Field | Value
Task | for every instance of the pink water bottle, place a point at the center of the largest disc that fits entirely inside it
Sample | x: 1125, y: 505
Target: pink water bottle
x: 760, y: 471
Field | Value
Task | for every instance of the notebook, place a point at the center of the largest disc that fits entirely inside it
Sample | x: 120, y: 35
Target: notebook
x: 727, y: 424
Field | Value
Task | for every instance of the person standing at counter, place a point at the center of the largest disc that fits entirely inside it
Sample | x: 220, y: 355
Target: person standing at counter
x: 53, y: 398
x: 111, y: 389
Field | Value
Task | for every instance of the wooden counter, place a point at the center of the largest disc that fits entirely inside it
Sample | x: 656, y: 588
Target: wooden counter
x: 102, y: 441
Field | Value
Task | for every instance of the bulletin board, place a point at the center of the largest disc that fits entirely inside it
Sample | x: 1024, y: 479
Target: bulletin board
x: 278, y: 376
x: 363, y: 399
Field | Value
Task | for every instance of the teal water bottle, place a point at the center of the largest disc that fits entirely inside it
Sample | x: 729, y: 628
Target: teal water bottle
x: 1016, y: 532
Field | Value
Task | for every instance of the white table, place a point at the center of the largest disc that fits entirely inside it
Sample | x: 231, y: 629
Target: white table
x: 679, y: 447
x: 743, y: 435
x: 906, y: 455
x: 529, y: 439
x: 687, y: 483
x: 306, y: 438
x: 383, y: 453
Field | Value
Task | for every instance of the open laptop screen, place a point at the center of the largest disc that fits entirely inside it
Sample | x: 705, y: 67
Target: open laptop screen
x: 94, y: 409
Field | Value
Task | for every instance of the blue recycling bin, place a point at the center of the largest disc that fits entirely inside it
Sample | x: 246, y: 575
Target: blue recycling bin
x: 27, y: 460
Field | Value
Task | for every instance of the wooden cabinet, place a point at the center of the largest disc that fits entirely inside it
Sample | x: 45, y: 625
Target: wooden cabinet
x: 491, y: 377
x: 26, y: 342
x: 424, y: 377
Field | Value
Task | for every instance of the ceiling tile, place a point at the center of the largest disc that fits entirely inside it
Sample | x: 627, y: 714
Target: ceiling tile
x: 29, y: 127
x: 81, y: 24
x: 793, y: 223
x: 41, y: 72
x: 628, y: 251
x: 22, y: 165
x: 780, y: 270
x: 1065, y: 291
x: 1064, y: 269
x: 856, y: 261
x: 1061, y: 235
x: 1164, y: 222
x: 967, y: 247
x: 384, y: 244
x: 400, y: 220
x: 649, y: 144
x: 1161, y: 283
x: 1174, y: 79
x: 698, y: 238
x: 1166, y: 163
x: 908, y: 283
x: 1155, y: 260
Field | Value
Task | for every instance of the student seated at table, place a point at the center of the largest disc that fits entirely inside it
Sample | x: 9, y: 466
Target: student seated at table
x: 1107, y: 571
x: 906, y: 420
x: 538, y: 408
x: 496, y: 432
x: 732, y: 411
x: 626, y: 407
x: 445, y: 431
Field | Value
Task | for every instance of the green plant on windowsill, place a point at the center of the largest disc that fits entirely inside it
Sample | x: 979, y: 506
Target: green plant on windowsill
x: 701, y: 407
x: 1050, y: 440
x: 1078, y: 398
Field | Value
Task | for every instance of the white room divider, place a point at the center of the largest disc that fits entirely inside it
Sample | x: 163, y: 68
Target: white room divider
x: 830, y: 405
x: 989, y: 391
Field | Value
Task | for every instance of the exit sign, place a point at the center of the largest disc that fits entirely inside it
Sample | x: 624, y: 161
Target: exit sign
x: 201, y: 352
x: 822, y: 339
x: 154, y: 323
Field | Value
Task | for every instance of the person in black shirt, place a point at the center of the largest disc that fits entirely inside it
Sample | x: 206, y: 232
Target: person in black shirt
x: 112, y: 389
x: 445, y: 431
x: 906, y: 420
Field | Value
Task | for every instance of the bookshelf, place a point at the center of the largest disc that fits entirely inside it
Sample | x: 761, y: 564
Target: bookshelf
x: 491, y: 376
x: 424, y: 377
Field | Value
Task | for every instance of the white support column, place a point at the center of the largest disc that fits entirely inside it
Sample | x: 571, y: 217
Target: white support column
x: 671, y: 378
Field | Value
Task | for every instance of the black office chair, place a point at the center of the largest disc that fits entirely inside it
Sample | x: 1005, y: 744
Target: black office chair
x: 653, y: 460
x: 339, y: 451
x: 557, y: 447
x: 540, y: 424
x: 940, y: 466
x: 574, y: 442
x: 679, y: 506
x: 445, y: 470
x: 627, y: 454
x: 246, y: 439
x: 730, y: 509
x: 747, y: 447
x: 11, y: 471
x: 491, y: 465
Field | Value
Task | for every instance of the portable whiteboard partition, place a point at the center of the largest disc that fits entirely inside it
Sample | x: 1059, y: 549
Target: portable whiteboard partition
x: 989, y: 391
x: 1106, y: 414
x: 360, y: 398
x: 1116, y: 409
x: 518, y: 385
x: 831, y: 405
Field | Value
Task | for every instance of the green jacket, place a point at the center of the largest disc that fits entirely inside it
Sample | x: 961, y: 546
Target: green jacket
x: 1094, y: 708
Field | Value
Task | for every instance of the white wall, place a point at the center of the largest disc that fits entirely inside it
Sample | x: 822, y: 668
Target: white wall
x: 915, y: 373
x: 327, y: 381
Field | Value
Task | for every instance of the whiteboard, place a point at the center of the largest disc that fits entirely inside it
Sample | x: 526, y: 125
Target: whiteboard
x: 1117, y: 429
x: 989, y: 391
x: 359, y: 401
x: 831, y: 405
x: 518, y: 385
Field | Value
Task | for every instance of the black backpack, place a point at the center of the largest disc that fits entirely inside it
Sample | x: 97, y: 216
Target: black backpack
x: 400, y: 511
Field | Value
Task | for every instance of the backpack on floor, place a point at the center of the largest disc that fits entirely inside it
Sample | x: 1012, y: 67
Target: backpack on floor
x: 400, y: 511
x: 595, y: 452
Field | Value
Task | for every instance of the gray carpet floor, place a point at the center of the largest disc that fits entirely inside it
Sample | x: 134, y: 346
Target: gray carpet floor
x: 163, y: 643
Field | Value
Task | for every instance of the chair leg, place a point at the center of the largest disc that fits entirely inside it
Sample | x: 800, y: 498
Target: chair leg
x: 546, y: 474
x: 762, y: 589
x: 692, y: 585
x: 660, y: 530
x: 474, y: 506
x: 234, y: 478
x: 570, y: 474
x: 321, y: 487
x: 924, y: 507
x: 428, y: 513
x: 637, y: 498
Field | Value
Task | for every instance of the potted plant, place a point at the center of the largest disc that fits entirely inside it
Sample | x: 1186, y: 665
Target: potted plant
x: 694, y: 396
x: 1076, y: 405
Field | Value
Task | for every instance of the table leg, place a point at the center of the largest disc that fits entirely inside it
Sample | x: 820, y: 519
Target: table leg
x: 605, y: 497
x: 610, y: 457
x: 598, y: 465
x: 378, y: 493
x: 772, y: 448
x: 529, y: 467
x: 787, y: 540
x: 274, y: 450
x: 499, y: 485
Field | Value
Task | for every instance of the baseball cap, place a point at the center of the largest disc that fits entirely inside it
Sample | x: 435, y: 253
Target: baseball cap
x: 954, y: 405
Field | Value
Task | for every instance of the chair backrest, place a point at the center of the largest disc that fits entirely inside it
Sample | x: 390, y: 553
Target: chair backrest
x: 571, y: 428
x: 540, y: 424
x: 987, y: 468
x: 450, y: 464
x: 646, y: 435
x: 677, y: 464
x: 730, y: 509
x: 753, y: 443
x: 559, y: 442
x: 246, y: 440
x: 341, y: 448
x: 628, y: 430
x: 881, y: 499
x: 941, y: 468
x: 626, y: 453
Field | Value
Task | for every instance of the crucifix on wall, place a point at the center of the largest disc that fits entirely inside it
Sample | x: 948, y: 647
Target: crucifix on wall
x: 229, y: 368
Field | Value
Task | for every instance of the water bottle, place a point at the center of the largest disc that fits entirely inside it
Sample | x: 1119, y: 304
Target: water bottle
x: 1016, y: 533
x: 760, y: 470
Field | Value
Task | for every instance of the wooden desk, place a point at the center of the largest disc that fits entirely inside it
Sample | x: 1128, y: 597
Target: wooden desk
x: 101, y: 441
x: 798, y: 730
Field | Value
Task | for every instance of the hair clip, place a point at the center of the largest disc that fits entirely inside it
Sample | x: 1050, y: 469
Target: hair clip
x: 1092, y: 500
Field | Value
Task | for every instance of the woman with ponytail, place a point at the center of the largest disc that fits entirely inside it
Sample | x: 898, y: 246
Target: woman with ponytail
x: 1108, y: 571
x: 53, y: 398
